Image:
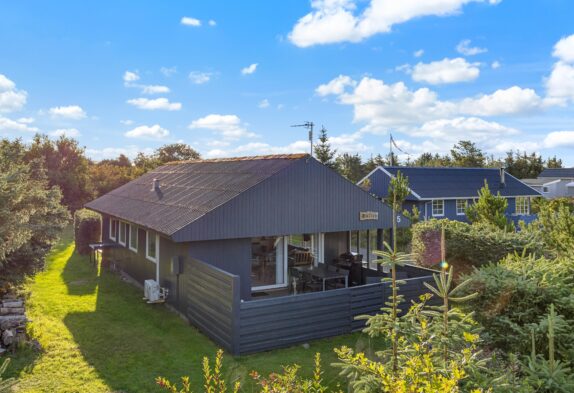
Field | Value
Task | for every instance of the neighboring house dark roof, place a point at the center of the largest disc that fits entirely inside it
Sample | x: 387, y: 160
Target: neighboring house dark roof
x: 188, y: 190
x: 558, y: 173
x: 429, y: 183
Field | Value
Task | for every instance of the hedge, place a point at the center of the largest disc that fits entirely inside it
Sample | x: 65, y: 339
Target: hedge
x: 469, y: 244
x: 87, y: 229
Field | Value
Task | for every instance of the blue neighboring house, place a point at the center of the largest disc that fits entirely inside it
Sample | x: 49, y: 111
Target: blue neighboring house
x: 445, y: 192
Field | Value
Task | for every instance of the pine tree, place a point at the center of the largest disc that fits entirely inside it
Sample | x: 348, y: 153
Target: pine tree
x: 323, y: 152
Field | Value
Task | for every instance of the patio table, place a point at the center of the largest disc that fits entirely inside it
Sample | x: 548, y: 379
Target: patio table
x: 324, y: 275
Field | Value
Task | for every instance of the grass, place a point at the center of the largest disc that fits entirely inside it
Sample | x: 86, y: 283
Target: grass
x: 97, y: 335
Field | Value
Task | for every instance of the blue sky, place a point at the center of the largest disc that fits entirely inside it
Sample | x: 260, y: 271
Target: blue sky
x: 230, y: 77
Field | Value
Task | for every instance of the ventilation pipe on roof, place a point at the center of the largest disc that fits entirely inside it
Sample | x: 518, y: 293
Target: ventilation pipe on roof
x: 155, y: 185
x: 502, y: 177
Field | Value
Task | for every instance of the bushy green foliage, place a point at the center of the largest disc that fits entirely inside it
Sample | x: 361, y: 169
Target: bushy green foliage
x: 31, y: 216
x: 514, y: 297
x: 472, y: 244
x: 554, y: 225
x: 87, y: 229
x: 489, y: 209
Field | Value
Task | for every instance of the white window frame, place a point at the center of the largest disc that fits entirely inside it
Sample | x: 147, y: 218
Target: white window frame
x: 120, y: 233
x: 458, y: 213
x: 432, y: 208
x: 526, y: 204
x: 129, y: 239
x: 112, y: 225
x: 150, y: 258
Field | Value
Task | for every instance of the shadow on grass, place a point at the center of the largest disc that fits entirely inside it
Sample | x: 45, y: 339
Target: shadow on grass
x: 80, y: 275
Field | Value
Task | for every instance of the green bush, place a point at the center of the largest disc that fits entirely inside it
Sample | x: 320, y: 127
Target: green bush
x: 515, y: 297
x: 469, y: 244
x: 87, y: 229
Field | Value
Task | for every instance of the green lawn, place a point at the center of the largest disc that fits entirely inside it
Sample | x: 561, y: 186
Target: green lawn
x: 97, y: 335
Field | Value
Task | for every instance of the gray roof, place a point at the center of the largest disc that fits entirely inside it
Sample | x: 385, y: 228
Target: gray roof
x: 188, y: 190
x: 558, y: 173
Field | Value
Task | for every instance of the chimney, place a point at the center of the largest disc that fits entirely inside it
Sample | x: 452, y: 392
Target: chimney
x: 155, y: 185
x: 502, y: 177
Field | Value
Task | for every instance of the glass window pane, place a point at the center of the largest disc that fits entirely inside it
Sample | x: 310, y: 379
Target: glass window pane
x: 267, y: 261
x: 151, y: 245
x: 133, y: 237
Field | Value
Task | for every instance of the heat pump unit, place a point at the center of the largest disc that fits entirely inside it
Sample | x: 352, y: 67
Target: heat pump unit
x: 151, y: 291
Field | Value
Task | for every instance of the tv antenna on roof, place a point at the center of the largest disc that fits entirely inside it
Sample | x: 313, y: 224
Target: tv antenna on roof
x: 309, y: 126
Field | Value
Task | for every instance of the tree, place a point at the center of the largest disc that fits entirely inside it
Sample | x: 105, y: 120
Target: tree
x: 350, y: 166
x: 430, y: 160
x: 31, y: 216
x: 523, y: 166
x: 554, y: 163
x: 122, y: 161
x: 165, y: 154
x: 373, y: 163
x: 66, y: 167
x: 323, y: 152
x: 489, y: 209
x: 467, y: 154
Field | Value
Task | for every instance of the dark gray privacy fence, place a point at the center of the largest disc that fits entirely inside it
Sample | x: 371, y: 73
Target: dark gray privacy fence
x: 213, y: 303
x: 214, y: 306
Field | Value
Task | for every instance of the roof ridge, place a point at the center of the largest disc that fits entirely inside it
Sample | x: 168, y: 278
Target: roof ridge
x: 294, y: 156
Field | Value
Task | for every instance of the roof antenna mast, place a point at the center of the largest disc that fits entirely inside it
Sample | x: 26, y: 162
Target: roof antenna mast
x: 309, y: 126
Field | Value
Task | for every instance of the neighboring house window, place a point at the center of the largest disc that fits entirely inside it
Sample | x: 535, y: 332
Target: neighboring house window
x: 133, y: 237
x: 438, y: 207
x: 522, y: 206
x: 461, y: 205
x: 152, y: 246
x: 545, y: 189
x: 113, y: 229
x: 122, y: 234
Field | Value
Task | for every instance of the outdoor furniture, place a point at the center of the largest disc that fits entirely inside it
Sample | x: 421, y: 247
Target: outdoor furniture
x: 97, y: 248
x: 323, y: 274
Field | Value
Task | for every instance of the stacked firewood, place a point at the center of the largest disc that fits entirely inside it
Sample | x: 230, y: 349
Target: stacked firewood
x: 12, y: 322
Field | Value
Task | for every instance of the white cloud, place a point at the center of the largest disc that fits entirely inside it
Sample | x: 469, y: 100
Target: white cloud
x: 74, y: 112
x: 130, y: 77
x: 127, y: 122
x: 564, y: 49
x: 154, y: 89
x: 26, y: 120
x: 264, y: 104
x: 335, y: 86
x: 560, y: 84
x: 464, y: 48
x: 445, y: 71
x: 229, y: 126
x: 11, y: 99
x: 69, y: 132
x: 168, y: 71
x: 155, y: 104
x: 332, y: 21
x: 419, y: 53
x: 155, y: 132
x: 502, y: 102
x: 473, y: 128
x: 130, y: 151
x: 559, y: 139
x: 249, y: 69
x: 20, y: 125
x: 495, y: 65
x: 199, y: 78
x: 212, y: 23
x: 188, y: 21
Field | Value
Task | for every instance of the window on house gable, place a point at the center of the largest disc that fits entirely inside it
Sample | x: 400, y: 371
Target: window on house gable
x: 522, y: 206
x: 438, y: 207
x: 461, y: 205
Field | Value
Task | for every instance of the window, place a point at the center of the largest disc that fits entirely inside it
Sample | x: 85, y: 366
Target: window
x: 269, y: 262
x: 522, y: 206
x: 113, y: 229
x: 122, y: 235
x: 438, y: 207
x: 152, y: 246
x: 133, y: 237
x: 545, y: 189
x: 461, y: 205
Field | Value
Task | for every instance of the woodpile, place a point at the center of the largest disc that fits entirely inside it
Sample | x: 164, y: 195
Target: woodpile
x: 12, y: 322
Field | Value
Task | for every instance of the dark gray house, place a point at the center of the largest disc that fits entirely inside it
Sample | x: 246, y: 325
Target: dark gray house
x: 224, y: 234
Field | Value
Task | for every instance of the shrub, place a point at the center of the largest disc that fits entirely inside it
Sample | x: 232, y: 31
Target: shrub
x: 87, y: 229
x: 514, y: 298
x: 469, y: 244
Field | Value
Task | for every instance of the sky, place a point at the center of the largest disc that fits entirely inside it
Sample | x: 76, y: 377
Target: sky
x: 230, y: 77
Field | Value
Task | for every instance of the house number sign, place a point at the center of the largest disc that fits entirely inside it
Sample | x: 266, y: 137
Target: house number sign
x: 363, y: 216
